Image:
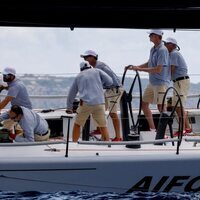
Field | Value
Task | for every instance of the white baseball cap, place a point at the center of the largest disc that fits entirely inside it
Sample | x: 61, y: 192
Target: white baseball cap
x: 172, y: 41
x: 85, y: 65
x: 9, y: 70
x: 156, y: 31
x: 89, y: 53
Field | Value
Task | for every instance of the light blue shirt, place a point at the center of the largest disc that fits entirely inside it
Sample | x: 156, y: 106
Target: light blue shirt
x: 108, y: 70
x: 31, y: 123
x: 181, y: 68
x: 18, y: 91
x: 159, y: 56
x: 89, y: 84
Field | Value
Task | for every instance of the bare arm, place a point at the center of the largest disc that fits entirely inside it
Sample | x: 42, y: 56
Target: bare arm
x: 145, y: 68
x: 5, y: 102
x: 133, y: 67
x: 145, y: 65
x: 152, y: 70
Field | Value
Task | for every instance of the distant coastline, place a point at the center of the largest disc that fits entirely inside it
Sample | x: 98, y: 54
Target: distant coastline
x: 60, y: 84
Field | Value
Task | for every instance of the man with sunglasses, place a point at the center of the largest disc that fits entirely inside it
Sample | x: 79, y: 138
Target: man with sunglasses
x: 17, y: 95
x: 157, y: 67
x: 35, y: 128
x: 181, y: 81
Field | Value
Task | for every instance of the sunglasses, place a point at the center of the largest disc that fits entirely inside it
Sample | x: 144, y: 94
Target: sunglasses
x: 13, y: 118
x: 85, y: 57
x: 6, y: 75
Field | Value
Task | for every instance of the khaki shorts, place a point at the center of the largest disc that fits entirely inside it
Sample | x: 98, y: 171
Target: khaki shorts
x: 40, y: 138
x: 112, y: 99
x: 182, y: 88
x: 154, y: 94
x: 97, y: 111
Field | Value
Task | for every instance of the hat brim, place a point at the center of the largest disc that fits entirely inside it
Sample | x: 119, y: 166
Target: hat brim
x: 152, y: 32
x: 7, y: 73
x: 82, y: 56
x: 178, y: 48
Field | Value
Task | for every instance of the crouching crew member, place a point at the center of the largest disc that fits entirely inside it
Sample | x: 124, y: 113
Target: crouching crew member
x: 35, y: 128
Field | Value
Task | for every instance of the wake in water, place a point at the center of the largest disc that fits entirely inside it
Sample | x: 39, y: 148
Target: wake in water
x: 76, y: 195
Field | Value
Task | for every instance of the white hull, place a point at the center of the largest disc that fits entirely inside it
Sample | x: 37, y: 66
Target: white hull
x: 98, y: 168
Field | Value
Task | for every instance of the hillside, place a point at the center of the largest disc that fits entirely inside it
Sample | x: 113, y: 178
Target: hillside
x: 59, y: 85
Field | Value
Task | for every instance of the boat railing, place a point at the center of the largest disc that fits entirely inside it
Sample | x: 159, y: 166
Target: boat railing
x: 32, y: 143
x: 195, y: 140
x: 192, y: 139
x: 43, y: 96
x: 158, y: 141
x: 108, y: 143
x: 64, y: 97
x: 134, y: 143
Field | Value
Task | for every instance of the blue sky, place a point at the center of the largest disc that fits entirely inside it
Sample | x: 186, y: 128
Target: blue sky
x: 57, y: 50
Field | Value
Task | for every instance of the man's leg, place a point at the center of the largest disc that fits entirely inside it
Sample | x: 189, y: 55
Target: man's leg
x: 104, y: 133
x: 148, y: 115
x: 116, y: 124
x: 148, y: 97
x: 182, y: 88
x: 76, y: 132
x: 187, y: 122
x: 112, y: 103
x: 98, y: 114
x: 83, y: 113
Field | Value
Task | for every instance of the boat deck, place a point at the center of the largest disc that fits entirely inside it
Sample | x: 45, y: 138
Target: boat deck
x: 57, y: 148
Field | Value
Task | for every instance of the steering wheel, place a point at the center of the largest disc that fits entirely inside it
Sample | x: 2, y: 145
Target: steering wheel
x: 130, y: 97
x: 198, y: 103
x: 170, y: 116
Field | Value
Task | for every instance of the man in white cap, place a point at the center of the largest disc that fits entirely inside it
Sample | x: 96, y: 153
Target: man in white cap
x: 89, y: 84
x: 17, y: 94
x: 113, y: 93
x: 181, y: 81
x: 159, y: 77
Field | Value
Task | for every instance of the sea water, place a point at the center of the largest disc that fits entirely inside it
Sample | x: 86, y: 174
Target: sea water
x: 76, y: 195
